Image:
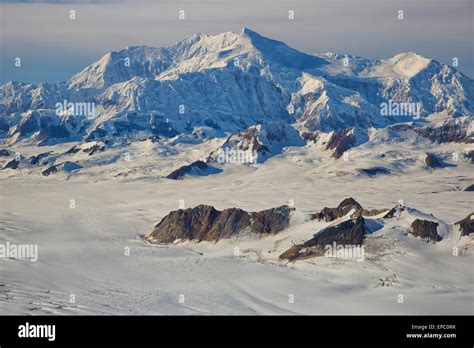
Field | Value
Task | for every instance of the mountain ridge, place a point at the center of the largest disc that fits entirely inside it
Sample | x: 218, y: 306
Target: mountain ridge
x: 231, y: 81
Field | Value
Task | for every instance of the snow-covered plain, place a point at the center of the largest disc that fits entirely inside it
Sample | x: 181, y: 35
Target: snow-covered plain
x: 82, y: 250
x: 88, y: 187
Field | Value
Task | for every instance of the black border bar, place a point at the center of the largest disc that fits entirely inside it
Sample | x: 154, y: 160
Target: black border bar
x: 241, y: 330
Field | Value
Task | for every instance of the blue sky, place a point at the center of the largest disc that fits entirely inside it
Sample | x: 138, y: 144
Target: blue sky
x: 53, y: 47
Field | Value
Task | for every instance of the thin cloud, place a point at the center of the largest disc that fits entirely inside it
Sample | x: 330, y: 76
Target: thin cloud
x: 42, y: 33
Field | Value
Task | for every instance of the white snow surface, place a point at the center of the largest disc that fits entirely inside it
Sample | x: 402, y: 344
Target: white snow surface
x: 82, y: 250
x: 175, y: 105
x: 230, y: 82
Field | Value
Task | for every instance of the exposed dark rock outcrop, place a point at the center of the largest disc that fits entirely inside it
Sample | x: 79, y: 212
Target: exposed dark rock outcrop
x: 12, y: 164
x: 98, y: 147
x: 153, y: 138
x: 400, y: 127
x: 66, y: 166
x: 374, y: 212
x: 395, y: 211
x: 341, y: 141
x: 271, y: 220
x: 469, y: 188
x: 89, y: 148
x: 71, y: 166
x: 298, y: 251
x: 432, y: 161
x: 330, y: 214
x: 466, y: 225
x: 470, y: 155
x: 198, y: 168
x: 74, y: 149
x: 347, y: 232
x: 205, y: 223
x: 348, y: 204
x: 350, y: 232
x: 4, y: 153
x: 256, y: 144
x: 35, y: 159
x: 426, y: 229
x: 49, y: 171
x: 374, y: 171
x: 310, y: 136
x: 449, y: 132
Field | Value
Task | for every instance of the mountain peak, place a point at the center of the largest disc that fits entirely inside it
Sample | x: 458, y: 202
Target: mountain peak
x: 408, y: 55
x: 278, y: 51
x: 249, y: 33
x: 403, y: 65
x: 408, y: 64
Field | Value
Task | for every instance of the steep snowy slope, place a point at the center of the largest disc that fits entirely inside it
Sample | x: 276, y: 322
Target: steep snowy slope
x: 230, y: 82
x: 406, y: 77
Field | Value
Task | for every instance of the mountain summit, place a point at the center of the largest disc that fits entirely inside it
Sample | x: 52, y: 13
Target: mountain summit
x: 228, y: 82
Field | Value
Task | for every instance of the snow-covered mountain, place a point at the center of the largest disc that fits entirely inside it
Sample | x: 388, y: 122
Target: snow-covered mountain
x: 226, y: 165
x: 228, y: 82
x: 256, y: 144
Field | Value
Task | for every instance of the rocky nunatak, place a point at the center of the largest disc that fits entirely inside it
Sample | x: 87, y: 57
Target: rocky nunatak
x: 197, y: 168
x: 353, y: 231
x: 348, y: 224
x: 205, y: 223
x: 348, y: 204
x: 426, y: 230
x: 349, y: 232
x: 432, y: 161
x: 466, y: 225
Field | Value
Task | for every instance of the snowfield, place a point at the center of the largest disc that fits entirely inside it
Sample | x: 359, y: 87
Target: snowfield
x: 89, y: 167
x: 82, y: 250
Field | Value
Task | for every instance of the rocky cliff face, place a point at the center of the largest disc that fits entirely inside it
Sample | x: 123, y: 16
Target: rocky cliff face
x: 205, y: 223
x: 432, y: 161
x: 350, y: 232
x: 12, y: 164
x: 470, y: 188
x: 426, y: 230
x: 452, y: 131
x: 395, y: 211
x: 330, y: 214
x: 348, y: 204
x: 466, y: 225
x: 342, y: 140
x: 341, y: 232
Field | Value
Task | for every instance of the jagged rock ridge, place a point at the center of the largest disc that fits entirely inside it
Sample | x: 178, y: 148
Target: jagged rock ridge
x: 426, y: 230
x: 345, y: 207
x: 466, y: 225
x: 349, y: 232
x: 205, y: 223
x: 197, y: 168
